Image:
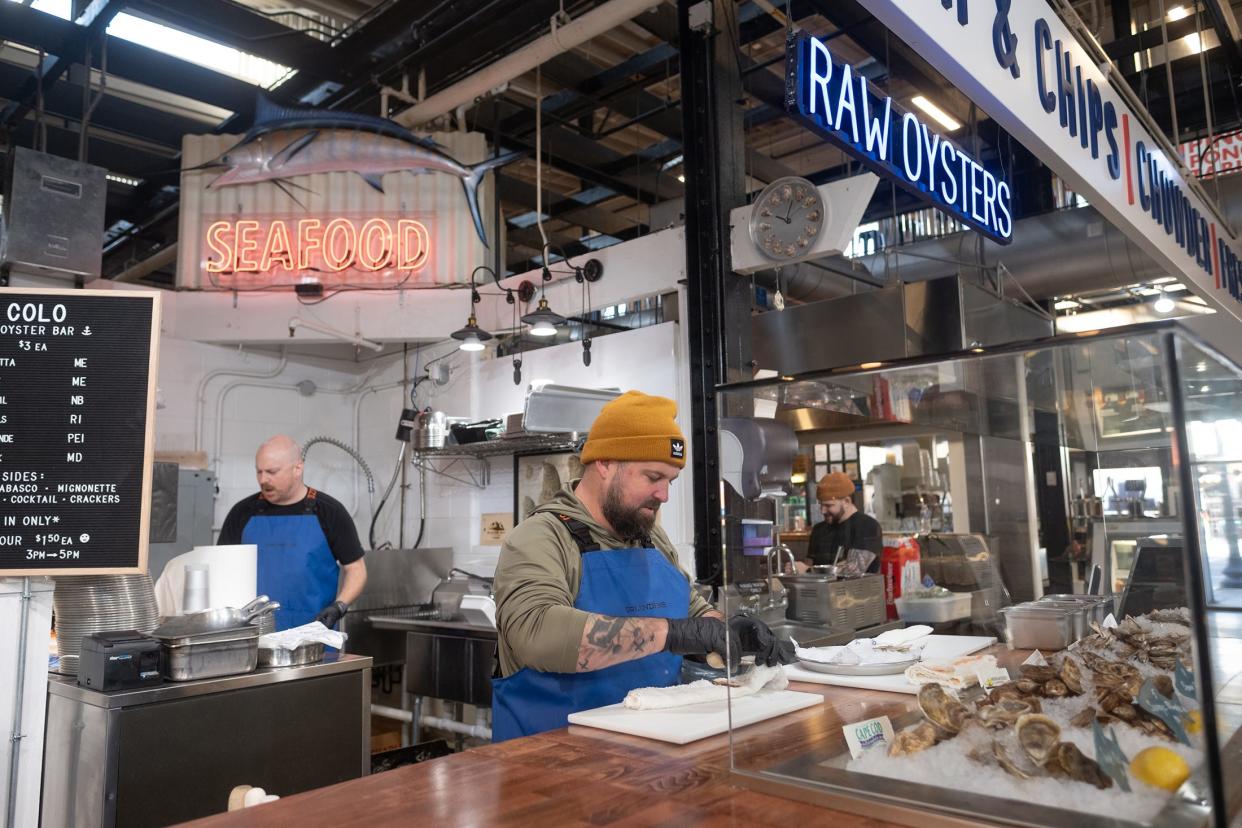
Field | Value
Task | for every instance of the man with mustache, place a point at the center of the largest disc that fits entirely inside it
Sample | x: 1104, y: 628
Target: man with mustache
x: 590, y: 601
x: 305, y: 539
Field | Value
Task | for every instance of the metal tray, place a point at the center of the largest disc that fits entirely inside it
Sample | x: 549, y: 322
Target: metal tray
x: 230, y: 634
x: 211, y: 659
x: 309, y: 653
x: 859, y: 669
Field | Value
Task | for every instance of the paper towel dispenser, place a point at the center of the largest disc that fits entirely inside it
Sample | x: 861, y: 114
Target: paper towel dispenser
x: 756, y: 456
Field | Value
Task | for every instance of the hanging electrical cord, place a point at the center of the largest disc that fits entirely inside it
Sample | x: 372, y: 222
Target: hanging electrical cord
x: 539, y: 158
x: 422, y: 504
x: 1207, y: 97
x: 396, y: 472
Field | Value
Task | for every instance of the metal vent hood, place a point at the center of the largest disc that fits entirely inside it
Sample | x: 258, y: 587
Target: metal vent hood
x: 919, y: 318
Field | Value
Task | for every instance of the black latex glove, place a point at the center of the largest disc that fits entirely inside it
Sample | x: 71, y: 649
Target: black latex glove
x: 757, y: 640
x: 329, y: 615
x: 700, y: 636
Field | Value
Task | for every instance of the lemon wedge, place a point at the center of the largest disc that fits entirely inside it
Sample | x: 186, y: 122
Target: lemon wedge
x: 1160, y: 767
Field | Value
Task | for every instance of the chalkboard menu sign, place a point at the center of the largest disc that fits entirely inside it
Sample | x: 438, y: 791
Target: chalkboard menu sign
x: 77, y: 408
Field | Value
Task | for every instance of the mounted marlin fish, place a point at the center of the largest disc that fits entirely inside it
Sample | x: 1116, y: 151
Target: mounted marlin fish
x: 285, y: 143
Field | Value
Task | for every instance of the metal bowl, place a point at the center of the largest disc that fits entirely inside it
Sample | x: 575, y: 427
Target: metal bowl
x: 309, y: 653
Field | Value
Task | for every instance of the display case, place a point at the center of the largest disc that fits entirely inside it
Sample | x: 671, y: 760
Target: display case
x: 1129, y: 721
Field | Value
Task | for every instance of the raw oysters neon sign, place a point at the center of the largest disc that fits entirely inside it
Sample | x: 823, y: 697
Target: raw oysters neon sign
x: 832, y: 100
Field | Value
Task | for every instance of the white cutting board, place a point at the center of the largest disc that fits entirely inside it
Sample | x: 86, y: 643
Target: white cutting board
x: 938, y: 647
x: 681, y: 725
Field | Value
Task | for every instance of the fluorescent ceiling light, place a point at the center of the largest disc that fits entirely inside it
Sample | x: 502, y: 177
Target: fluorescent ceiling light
x: 1178, y: 12
x: 936, y: 113
x: 1193, y: 43
x: 1066, y: 304
x: 1176, y: 286
x: 172, y: 41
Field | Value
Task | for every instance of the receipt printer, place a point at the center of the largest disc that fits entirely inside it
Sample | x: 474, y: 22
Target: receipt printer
x: 122, y: 660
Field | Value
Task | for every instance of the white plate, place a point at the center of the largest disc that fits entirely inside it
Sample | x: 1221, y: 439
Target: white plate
x: 885, y: 669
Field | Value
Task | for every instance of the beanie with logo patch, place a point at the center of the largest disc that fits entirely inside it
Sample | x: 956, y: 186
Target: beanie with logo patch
x: 637, y: 427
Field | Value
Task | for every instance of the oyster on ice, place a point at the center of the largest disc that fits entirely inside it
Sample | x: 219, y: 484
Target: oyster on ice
x: 1071, y: 675
x: 1065, y: 759
x: 913, y: 739
x: 1008, y: 765
x: 941, y: 709
x: 1004, y: 713
x: 1038, y: 735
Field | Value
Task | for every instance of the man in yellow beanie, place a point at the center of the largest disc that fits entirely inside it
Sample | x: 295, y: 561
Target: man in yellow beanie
x: 843, y: 527
x: 590, y: 601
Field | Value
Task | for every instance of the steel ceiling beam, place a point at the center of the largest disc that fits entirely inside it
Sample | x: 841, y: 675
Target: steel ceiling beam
x: 234, y: 25
x: 36, y: 29
x: 63, y: 101
x: 104, y: 151
x: 567, y: 209
x: 402, y: 40
x: 87, y: 29
x: 581, y: 157
x: 1226, y: 25
x: 1151, y: 39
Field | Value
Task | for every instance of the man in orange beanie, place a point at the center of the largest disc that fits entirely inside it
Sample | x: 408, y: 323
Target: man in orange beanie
x: 843, y: 527
x: 590, y: 601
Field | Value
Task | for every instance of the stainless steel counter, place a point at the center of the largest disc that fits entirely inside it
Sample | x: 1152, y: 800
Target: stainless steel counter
x: 333, y: 663
x: 450, y: 660
x: 432, y: 626
x: 172, y: 753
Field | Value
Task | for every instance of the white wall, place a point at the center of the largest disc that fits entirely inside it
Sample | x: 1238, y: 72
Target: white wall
x: 256, y: 408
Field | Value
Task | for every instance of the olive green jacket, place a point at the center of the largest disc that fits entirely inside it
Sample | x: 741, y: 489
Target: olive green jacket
x: 537, y: 582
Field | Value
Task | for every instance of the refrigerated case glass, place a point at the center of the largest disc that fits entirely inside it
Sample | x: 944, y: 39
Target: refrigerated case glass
x: 1146, y: 404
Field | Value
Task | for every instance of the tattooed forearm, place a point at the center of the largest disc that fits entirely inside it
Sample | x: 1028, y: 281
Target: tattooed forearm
x: 605, y: 633
x: 607, y: 640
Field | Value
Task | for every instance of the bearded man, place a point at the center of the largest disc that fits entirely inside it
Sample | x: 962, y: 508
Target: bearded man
x: 590, y: 600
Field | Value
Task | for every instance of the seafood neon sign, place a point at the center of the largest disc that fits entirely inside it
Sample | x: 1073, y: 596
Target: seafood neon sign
x: 374, y: 245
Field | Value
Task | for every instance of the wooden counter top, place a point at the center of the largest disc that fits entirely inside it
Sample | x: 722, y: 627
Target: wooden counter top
x: 583, y: 776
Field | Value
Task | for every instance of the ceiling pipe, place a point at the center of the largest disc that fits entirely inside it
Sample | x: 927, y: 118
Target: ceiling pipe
x: 560, y: 39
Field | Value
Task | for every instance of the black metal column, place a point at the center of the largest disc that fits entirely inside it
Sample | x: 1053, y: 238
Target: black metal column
x: 718, y: 303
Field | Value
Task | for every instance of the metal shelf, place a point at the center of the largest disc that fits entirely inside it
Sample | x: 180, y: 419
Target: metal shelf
x: 501, y: 447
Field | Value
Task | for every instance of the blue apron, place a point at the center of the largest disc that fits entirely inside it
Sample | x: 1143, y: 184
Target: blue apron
x: 634, y: 582
x: 296, y: 565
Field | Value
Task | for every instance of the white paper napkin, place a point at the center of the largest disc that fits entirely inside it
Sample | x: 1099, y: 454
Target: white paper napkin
x: 295, y: 637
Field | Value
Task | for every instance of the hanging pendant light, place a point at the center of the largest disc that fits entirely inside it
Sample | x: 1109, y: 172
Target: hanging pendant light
x: 471, y: 335
x: 543, y: 320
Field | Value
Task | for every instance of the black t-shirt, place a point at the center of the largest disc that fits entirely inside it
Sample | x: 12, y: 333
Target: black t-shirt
x: 859, y: 531
x: 337, y: 525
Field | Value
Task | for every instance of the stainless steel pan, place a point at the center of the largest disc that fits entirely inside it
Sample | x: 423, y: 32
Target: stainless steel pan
x: 217, y: 620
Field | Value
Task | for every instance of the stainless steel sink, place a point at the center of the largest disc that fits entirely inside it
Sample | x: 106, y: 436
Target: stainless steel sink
x: 811, y: 635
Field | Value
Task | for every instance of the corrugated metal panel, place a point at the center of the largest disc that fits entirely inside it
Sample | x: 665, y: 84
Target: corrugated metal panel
x: 434, y: 199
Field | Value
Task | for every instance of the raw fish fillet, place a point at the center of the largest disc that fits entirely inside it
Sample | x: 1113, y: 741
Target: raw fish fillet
x: 698, y: 692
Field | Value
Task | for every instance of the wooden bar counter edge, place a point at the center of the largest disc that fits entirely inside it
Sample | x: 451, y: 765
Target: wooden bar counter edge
x: 583, y: 776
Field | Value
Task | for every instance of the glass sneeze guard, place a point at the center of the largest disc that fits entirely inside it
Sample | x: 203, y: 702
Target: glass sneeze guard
x: 1130, y: 441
